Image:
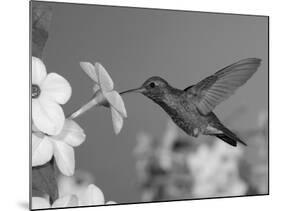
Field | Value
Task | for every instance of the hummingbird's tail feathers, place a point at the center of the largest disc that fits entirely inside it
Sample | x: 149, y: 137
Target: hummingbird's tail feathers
x: 229, y: 137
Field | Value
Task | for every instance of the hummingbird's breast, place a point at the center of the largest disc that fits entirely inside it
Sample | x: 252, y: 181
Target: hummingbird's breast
x: 184, y: 113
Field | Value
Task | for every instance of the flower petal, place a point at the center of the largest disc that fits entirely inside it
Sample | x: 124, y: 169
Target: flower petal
x: 40, y: 203
x: 56, y: 88
x: 47, y: 116
x: 90, y: 70
x: 39, y: 71
x: 34, y: 128
x: 71, y: 133
x: 105, y: 80
x: 42, y: 150
x: 117, y: 102
x: 96, y: 88
x: 64, y: 155
x: 66, y: 201
x: 117, y: 120
x: 92, y: 196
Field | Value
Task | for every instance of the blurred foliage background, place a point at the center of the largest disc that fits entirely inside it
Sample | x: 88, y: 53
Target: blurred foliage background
x: 180, y: 167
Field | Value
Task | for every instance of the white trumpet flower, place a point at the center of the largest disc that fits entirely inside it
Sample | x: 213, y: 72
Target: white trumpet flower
x: 49, y: 91
x: 104, y: 94
x: 44, y: 147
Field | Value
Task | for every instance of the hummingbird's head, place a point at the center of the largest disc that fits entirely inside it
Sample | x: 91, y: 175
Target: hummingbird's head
x: 154, y: 88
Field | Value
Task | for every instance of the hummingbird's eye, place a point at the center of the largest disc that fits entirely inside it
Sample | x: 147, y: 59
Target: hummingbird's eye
x: 152, y: 85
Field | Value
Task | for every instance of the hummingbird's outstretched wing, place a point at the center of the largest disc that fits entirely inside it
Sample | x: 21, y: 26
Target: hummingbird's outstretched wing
x: 211, y: 91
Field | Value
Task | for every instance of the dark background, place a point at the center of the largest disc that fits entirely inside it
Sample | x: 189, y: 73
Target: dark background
x: 134, y: 44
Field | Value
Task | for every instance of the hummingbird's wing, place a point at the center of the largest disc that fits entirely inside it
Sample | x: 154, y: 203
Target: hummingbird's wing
x: 211, y: 91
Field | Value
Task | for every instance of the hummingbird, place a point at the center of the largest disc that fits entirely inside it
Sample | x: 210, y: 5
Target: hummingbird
x: 191, y: 109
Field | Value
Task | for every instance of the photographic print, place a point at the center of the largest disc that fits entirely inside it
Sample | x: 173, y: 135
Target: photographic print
x: 136, y: 105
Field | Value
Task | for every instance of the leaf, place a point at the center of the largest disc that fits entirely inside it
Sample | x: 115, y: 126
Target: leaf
x: 44, y: 181
x: 41, y: 19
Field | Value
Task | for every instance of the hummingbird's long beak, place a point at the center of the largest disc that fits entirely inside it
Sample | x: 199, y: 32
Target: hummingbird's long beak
x: 137, y: 90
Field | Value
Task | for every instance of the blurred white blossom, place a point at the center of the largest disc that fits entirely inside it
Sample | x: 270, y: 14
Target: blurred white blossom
x: 66, y: 201
x: 48, y: 92
x: 81, y: 185
x: 216, y: 170
x: 168, y: 139
x: 144, y: 144
x: 75, y: 184
x: 59, y: 146
x: 104, y: 94
x: 180, y: 167
x: 85, y: 196
x: 93, y: 195
x: 255, y: 161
